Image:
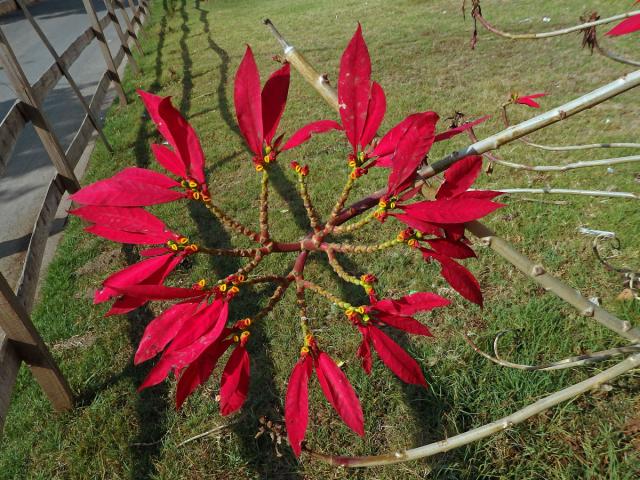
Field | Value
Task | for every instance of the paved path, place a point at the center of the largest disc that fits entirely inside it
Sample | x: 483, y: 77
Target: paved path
x: 24, y: 182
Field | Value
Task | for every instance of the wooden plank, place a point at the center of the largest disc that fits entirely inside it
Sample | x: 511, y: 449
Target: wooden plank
x: 30, y: 348
x: 112, y: 69
x: 28, y: 282
x: 9, y: 366
x: 63, y: 69
x: 124, y: 41
x: 10, y: 128
x: 52, y: 75
x: 130, y: 30
x: 33, y: 112
x: 83, y: 134
x: 119, y: 57
x: 105, y: 21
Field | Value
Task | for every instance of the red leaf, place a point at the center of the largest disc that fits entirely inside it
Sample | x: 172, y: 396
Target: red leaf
x: 412, y: 147
x: 375, y: 114
x: 394, y: 357
x: 404, y: 323
x: 177, y: 131
x: 248, y: 102
x: 628, y: 25
x: 388, y: 144
x: 450, y: 248
x: 274, y: 99
x: 129, y: 237
x: 162, y: 329
x: 420, y: 225
x: 135, y: 220
x: 124, y: 193
x: 204, y: 327
x: 169, y: 160
x: 454, y: 210
x: 143, y: 175
x: 460, y: 176
x: 364, y: 350
x: 296, y: 403
x: 304, y: 134
x: 354, y: 87
x: 452, y: 132
x: 199, y: 371
x: 235, y: 381
x: 158, y: 292
x: 132, y: 275
x: 461, y: 279
x: 339, y: 392
x: 410, y: 304
x: 528, y: 100
x: 152, y: 252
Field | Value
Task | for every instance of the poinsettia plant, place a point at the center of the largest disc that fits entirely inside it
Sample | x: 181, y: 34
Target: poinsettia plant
x: 203, y: 324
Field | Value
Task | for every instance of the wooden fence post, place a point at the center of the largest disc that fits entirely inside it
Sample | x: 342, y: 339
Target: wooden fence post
x: 106, y: 53
x: 28, y: 344
x: 123, y: 38
x: 132, y: 7
x: 32, y: 110
x: 65, y: 72
x: 127, y: 21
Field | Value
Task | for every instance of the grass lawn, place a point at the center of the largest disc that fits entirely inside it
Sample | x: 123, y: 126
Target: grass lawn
x: 421, y: 56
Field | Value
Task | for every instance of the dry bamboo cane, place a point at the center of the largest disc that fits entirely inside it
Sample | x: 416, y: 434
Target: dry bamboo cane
x: 503, y: 248
x: 568, y: 191
x: 555, y: 33
x: 568, y: 166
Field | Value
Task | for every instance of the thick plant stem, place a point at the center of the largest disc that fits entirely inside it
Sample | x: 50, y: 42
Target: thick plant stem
x: 339, y: 205
x: 234, y: 252
x: 312, y: 214
x: 489, y: 429
x: 346, y: 248
x: 352, y: 227
x: 554, y: 33
x: 231, y: 223
x: 264, y: 207
x: 339, y: 270
x: 273, y: 300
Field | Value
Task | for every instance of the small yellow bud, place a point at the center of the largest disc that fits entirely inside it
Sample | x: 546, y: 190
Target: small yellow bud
x: 267, y: 149
x: 192, y: 184
x: 223, y: 287
x: 266, y: 159
x: 202, y: 282
x: 259, y: 168
x: 174, y: 247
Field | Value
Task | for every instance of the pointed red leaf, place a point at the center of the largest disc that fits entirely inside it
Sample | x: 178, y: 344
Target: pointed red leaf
x: 404, y: 323
x: 204, y: 327
x: 452, y: 132
x: 455, y: 210
x: 528, y: 100
x: 143, y: 175
x: 388, y: 144
x: 199, y: 371
x: 134, y: 219
x: 248, y: 102
x: 411, y: 150
x: 162, y: 329
x: 169, y: 160
x: 394, y: 357
x: 628, y: 25
x: 296, y: 403
x: 124, y: 193
x: 419, y: 225
x: 461, y: 279
x: 460, y: 176
x: 375, y: 114
x: 158, y: 292
x: 235, y: 381
x: 339, y: 392
x: 354, y: 87
x: 305, y: 133
x: 450, y: 248
x: 410, y: 304
x: 274, y: 99
x: 129, y: 237
x: 152, y: 252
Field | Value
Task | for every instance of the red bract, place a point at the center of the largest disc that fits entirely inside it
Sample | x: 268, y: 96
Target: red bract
x: 259, y: 113
x: 628, y: 25
x: 132, y: 187
x: 126, y: 225
x: 529, y: 100
x: 335, y: 387
x: 186, y: 160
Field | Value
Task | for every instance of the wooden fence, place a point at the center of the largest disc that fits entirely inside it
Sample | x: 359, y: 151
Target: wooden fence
x: 19, y: 339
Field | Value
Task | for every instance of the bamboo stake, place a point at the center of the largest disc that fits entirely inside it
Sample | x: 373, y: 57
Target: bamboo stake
x: 489, y: 429
x: 94, y: 121
x: 588, y: 146
x: 554, y: 33
x: 567, y: 191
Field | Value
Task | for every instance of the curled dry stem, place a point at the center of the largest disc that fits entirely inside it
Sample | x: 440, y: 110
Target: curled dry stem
x: 570, y: 362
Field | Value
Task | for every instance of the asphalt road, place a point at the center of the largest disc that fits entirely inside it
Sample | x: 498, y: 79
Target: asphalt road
x: 23, y: 184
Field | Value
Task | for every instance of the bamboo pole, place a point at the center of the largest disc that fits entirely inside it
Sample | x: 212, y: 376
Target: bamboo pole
x: 569, y: 166
x: 568, y: 191
x: 92, y: 118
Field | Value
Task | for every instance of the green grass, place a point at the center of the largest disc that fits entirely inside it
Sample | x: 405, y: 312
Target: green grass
x: 421, y: 57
